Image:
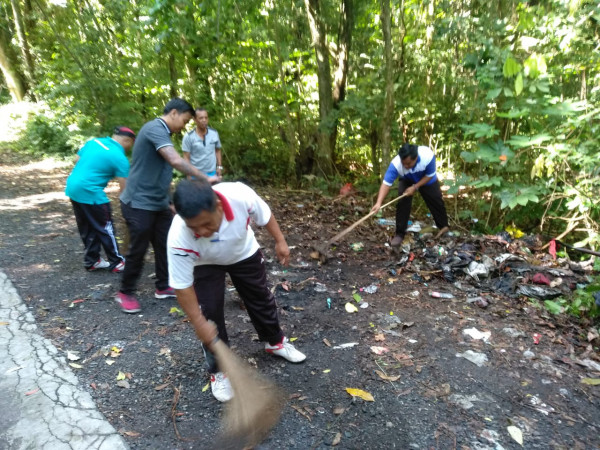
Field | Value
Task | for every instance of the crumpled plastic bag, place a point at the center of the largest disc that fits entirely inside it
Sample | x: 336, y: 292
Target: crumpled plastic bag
x: 538, y: 292
x: 477, y: 269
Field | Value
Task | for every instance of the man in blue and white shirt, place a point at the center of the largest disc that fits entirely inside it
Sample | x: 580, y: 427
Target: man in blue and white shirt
x: 415, y: 167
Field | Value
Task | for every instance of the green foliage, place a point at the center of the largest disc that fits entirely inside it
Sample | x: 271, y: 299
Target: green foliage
x: 582, y: 304
x: 46, y: 136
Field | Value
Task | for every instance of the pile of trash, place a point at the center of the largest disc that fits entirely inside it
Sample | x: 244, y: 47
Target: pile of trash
x: 498, y: 263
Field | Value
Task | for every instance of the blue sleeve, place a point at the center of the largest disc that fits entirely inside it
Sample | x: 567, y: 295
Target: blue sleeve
x: 185, y: 144
x: 430, y: 168
x: 122, y: 167
x: 390, y: 175
x: 218, y: 142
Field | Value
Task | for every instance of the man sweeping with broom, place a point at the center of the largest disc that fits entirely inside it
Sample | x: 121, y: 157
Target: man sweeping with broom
x: 209, y: 237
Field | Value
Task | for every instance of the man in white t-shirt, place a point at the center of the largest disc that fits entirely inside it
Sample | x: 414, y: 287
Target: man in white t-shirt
x: 210, y: 237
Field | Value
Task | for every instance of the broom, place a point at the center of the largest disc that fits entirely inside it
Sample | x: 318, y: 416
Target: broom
x: 256, y: 404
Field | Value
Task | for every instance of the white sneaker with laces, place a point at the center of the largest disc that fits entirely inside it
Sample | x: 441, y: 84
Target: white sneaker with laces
x: 285, y: 350
x: 221, y: 387
x: 100, y: 264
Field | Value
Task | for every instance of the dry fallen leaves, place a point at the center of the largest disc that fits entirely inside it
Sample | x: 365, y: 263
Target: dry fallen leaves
x: 383, y: 376
x: 360, y: 393
x: 336, y: 439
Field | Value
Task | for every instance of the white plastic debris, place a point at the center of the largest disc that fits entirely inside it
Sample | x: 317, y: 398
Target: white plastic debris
x: 320, y: 287
x: 479, y: 359
x: 528, y: 354
x: 346, y: 345
x: 464, y: 401
x: 512, y: 332
x: 476, y: 269
x: 363, y: 305
x: 415, y: 227
x: 474, y: 333
x: 370, y: 289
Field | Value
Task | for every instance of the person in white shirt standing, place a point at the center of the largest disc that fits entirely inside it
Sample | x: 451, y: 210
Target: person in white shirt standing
x: 202, y: 146
x: 210, y: 237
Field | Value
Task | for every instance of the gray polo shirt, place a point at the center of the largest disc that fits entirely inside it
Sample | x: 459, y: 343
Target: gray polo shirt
x: 202, y: 151
x: 150, y: 174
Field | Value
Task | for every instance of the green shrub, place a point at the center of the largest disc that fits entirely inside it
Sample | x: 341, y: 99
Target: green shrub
x: 44, y: 136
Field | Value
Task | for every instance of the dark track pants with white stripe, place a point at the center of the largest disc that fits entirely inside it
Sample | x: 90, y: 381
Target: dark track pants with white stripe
x: 97, y: 230
x: 250, y: 280
x: 432, y: 194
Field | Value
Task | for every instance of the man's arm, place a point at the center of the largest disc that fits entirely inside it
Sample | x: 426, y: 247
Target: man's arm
x: 122, y: 183
x: 218, y: 154
x: 281, y: 247
x: 205, y: 330
x: 383, y: 192
x: 415, y: 187
x: 177, y: 162
x: 188, y: 159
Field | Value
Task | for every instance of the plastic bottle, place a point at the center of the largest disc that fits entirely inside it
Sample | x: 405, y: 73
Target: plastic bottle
x: 386, y: 222
x: 436, y: 294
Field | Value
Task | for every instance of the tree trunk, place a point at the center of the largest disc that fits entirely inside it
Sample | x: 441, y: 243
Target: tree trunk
x: 24, y: 44
x: 10, y: 72
x: 341, y: 72
x: 388, y: 109
x: 172, y: 76
x: 317, y: 32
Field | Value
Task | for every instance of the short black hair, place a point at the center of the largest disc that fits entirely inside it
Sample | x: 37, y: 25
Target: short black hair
x: 193, y: 197
x: 181, y: 105
x: 200, y: 109
x: 408, y: 151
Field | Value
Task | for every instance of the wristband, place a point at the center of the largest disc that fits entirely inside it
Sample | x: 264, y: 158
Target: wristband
x: 219, y: 167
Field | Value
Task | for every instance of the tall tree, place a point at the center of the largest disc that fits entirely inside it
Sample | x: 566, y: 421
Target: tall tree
x: 10, y: 70
x: 21, y: 33
x: 388, y: 109
x: 331, y: 93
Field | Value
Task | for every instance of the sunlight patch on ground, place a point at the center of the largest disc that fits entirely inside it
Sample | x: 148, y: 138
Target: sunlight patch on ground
x: 45, y: 164
x: 30, y: 201
x: 13, y: 119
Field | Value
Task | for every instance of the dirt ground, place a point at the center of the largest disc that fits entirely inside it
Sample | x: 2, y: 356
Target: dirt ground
x: 425, y: 394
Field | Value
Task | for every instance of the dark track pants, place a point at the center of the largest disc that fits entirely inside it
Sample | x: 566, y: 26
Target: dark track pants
x: 250, y: 280
x: 97, y: 230
x: 145, y: 227
x: 432, y: 194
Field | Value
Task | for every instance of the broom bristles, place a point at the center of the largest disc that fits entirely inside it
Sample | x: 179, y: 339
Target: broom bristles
x: 256, y: 404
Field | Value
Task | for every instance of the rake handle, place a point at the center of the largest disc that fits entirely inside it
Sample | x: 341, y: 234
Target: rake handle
x: 343, y: 233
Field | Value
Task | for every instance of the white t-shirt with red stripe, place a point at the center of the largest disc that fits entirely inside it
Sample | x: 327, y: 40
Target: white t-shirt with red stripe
x: 233, y: 243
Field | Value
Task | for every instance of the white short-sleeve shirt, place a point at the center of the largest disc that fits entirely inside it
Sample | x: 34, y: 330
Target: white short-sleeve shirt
x: 233, y: 243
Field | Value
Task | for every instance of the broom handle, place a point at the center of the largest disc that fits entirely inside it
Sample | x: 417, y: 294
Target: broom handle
x: 343, y: 233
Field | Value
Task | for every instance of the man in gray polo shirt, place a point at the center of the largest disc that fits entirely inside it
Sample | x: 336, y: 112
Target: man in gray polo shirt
x: 202, y: 146
x: 145, y: 200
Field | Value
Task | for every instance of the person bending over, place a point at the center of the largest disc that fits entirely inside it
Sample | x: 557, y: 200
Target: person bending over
x: 210, y: 237
x: 415, y: 168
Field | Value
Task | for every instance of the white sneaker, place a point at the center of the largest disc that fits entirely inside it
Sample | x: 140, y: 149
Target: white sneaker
x: 221, y: 387
x: 100, y: 264
x: 285, y: 350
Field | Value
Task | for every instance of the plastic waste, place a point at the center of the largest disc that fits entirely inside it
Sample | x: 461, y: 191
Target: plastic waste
x: 536, y: 338
x: 436, y: 294
x: 476, y: 269
x: 328, y: 303
x: 538, y: 292
x: 448, y: 275
x: 415, y: 227
x: 479, y: 359
x: 474, y: 333
x: 386, y: 222
x: 370, y: 289
x: 479, y: 301
x: 346, y: 345
x: 540, y: 278
x: 320, y: 287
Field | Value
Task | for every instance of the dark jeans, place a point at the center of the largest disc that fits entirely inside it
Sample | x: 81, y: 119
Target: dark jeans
x: 432, y: 194
x: 96, y: 229
x: 250, y: 280
x: 145, y: 227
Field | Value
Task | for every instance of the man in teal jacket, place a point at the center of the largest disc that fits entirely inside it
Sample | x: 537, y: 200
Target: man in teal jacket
x: 97, y: 162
